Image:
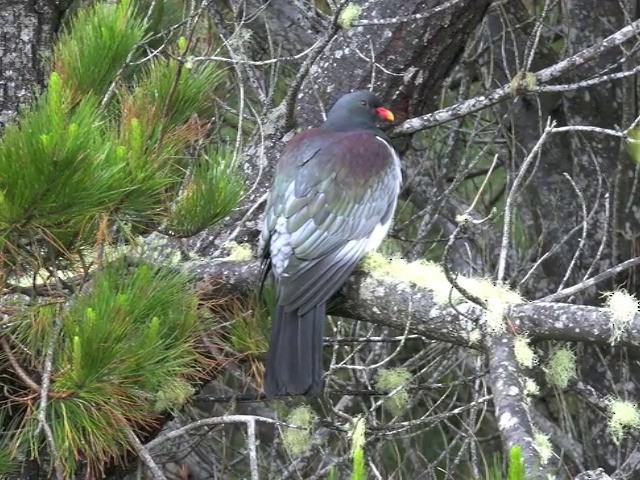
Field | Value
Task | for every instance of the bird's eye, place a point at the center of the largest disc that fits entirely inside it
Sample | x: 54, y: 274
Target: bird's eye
x: 363, y: 103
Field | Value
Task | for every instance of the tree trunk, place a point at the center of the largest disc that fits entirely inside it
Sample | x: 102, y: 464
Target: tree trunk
x: 26, y: 32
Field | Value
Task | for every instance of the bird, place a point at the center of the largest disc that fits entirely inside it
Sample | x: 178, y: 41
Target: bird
x: 332, y: 201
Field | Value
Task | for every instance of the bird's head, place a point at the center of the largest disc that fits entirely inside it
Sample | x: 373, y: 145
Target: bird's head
x: 359, y: 110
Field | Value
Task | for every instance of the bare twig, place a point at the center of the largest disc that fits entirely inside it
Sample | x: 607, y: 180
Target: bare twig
x: 26, y: 379
x: 207, y: 422
x: 257, y: 63
x: 569, y: 87
x: 504, y: 92
x: 593, y: 281
x: 251, y: 440
x: 44, y: 392
x: 452, y: 276
x: 532, y: 44
x: 511, y: 198
x: 144, y: 454
x: 583, y: 237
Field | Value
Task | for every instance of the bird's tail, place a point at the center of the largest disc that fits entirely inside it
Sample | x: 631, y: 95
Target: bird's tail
x: 294, y: 364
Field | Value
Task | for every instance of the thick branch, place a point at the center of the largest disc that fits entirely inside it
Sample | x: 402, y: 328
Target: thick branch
x: 512, y: 413
x: 392, y: 303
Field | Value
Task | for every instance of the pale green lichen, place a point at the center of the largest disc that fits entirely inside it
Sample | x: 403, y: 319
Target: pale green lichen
x: 531, y: 388
x: 623, y: 416
x: 394, y: 380
x: 494, y: 316
x: 349, y: 14
x: 298, y: 440
x: 523, y: 81
x: 622, y: 307
x: 431, y: 276
x: 475, y: 336
x: 422, y: 273
x: 173, y: 396
x: 462, y: 218
x: 156, y: 247
x: 561, y: 367
x: 241, y: 38
x: 525, y: 356
x: 239, y: 252
x: 543, y: 445
x: 498, y: 298
x: 376, y: 264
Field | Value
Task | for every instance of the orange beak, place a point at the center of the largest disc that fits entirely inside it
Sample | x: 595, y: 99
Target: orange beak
x: 386, y: 114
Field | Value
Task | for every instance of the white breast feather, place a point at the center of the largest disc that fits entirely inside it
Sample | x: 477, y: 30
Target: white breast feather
x: 380, y: 231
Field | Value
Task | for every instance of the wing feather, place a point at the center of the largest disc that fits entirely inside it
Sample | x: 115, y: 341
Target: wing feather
x: 321, y: 280
x: 331, y: 202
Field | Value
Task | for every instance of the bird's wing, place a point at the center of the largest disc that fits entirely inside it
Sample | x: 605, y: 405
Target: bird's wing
x: 331, y: 194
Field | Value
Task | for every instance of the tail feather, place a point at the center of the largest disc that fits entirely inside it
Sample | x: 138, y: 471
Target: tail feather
x: 294, y: 364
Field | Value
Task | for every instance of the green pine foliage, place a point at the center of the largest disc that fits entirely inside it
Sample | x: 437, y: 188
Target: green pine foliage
x: 359, y: 471
x: 8, y: 464
x: 108, y: 147
x: 93, y: 49
x: 211, y: 190
x: 78, y: 157
x: 57, y: 173
x: 89, y: 53
x: 633, y: 144
x: 333, y: 473
x: 183, y: 92
x: 248, y: 334
x: 359, y: 468
x: 126, y: 350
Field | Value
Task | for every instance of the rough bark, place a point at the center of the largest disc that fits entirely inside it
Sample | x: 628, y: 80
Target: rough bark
x: 391, y: 302
x: 424, y: 50
x: 418, y: 56
x: 286, y: 27
x: 26, y: 31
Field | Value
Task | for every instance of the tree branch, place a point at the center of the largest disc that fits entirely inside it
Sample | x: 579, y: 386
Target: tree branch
x: 512, y: 413
x: 506, y: 91
x: 392, y: 303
